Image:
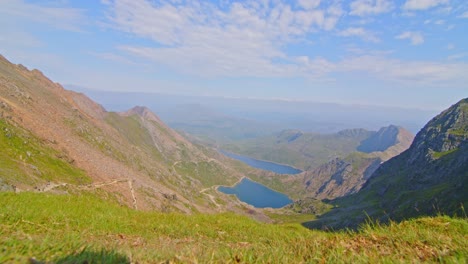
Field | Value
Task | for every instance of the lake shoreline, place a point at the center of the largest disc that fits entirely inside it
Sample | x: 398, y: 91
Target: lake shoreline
x: 256, y: 194
x: 243, y: 158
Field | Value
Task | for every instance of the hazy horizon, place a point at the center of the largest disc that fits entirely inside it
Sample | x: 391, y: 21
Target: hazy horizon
x: 180, y: 110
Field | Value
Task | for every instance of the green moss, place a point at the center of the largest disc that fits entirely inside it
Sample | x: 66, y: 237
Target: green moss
x: 459, y: 132
x: 438, y: 155
x: 26, y: 159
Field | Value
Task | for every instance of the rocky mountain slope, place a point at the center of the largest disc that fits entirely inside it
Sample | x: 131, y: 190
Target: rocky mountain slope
x: 339, y: 177
x: 53, y: 139
x: 429, y: 178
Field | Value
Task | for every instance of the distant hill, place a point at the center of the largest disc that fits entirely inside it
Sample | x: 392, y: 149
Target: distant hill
x: 429, y: 178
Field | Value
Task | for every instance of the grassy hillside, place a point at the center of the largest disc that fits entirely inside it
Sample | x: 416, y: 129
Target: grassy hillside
x: 27, y: 160
x: 71, y: 229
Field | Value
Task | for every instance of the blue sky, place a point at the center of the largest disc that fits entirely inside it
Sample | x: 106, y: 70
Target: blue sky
x: 409, y: 53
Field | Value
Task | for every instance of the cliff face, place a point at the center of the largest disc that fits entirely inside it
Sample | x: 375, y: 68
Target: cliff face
x: 339, y: 177
x: 429, y: 178
x: 445, y: 133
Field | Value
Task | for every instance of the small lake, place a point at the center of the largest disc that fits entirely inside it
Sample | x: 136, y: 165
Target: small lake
x: 261, y: 164
x: 257, y: 194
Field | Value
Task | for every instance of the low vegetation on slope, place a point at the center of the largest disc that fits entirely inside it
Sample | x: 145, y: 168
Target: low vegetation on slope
x: 25, y: 159
x: 72, y: 229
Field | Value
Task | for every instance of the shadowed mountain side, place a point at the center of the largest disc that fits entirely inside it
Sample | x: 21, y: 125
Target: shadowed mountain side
x: 385, y: 138
x: 429, y: 178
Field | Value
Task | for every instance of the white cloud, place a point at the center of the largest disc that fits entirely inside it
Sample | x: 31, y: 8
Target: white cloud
x: 114, y: 57
x: 13, y: 38
x: 370, y: 7
x: 464, y: 15
x: 249, y: 38
x: 359, y: 32
x: 416, y: 72
x: 240, y: 39
x: 308, y: 4
x: 422, y: 4
x: 458, y: 56
x: 416, y: 38
x: 59, y: 17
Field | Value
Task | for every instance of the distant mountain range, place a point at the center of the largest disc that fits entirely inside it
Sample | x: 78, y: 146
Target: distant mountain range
x: 225, y: 119
x: 429, y: 178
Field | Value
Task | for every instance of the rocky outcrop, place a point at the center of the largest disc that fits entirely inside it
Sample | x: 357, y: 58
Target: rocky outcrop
x: 339, y: 177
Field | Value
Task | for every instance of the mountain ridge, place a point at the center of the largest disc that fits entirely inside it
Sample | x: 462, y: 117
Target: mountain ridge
x: 428, y: 179
x: 130, y: 157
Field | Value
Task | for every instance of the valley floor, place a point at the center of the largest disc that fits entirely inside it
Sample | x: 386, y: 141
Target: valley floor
x: 40, y: 227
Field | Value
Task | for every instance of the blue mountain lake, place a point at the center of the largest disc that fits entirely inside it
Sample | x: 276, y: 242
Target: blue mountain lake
x: 264, y: 165
x: 256, y: 194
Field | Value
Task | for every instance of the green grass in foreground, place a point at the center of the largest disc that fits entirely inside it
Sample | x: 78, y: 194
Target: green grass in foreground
x: 74, y: 229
